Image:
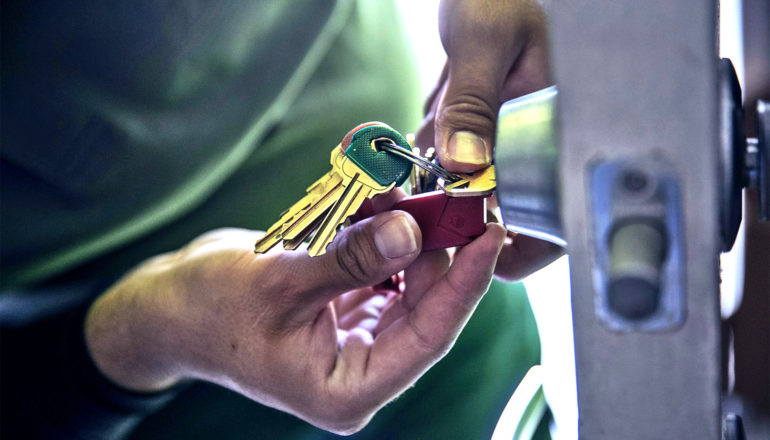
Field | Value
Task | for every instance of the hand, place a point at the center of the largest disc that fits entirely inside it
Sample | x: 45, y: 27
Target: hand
x: 305, y: 335
x: 496, y: 50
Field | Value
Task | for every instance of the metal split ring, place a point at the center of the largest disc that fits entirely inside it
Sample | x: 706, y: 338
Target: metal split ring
x: 435, y: 169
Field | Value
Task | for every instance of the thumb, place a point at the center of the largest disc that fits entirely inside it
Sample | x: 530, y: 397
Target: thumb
x: 482, y: 41
x: 477, y: 60
x: 362, y: 255
x: 466, y: 116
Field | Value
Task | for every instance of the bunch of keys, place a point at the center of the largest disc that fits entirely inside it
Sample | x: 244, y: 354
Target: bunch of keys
x: 450, y: 209
x: 373, y: 159
x: 359, y: 171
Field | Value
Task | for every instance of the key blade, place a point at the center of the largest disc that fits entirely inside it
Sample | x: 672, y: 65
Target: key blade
x: 294, y: 219
x: 269, y: 240
x: 294, y: 243
x: 328, y: 203
x: 354, y: 195
x: 305, y: 219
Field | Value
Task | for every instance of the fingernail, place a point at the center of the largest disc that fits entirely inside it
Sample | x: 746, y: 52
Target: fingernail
x: 467, y: 147
x: 395, y: 238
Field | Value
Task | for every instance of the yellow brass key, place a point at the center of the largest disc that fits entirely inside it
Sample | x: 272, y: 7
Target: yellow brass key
x: 358, y: 187
x: 359, y: 171
x: 480, y: 183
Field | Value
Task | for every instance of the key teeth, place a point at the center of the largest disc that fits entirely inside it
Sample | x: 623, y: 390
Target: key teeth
x: 266, y: 243
x: 319, y: 252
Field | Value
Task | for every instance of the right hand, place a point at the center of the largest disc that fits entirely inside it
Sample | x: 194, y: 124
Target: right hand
x: 497, y: 50
x: 305, y: 335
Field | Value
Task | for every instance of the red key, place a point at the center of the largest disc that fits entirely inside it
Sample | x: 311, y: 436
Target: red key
x: 444, y: 221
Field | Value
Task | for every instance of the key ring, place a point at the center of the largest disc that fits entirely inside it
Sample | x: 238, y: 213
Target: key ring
x: 436, y: 170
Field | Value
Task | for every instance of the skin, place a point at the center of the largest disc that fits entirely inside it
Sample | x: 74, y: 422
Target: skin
x: 310, y: 336
x: 497, y: 50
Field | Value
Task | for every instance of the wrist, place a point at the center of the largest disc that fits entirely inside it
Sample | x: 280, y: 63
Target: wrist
x: 129, y: 333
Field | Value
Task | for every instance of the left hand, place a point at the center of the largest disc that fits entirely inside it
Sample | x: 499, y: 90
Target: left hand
x: 497, y: 50
x: 308, y: 336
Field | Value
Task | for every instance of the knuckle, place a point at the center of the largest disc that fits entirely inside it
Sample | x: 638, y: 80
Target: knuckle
x: 467, y: 109
x: 357, y: 258
x: 459, y: 286
x: 463, y: 296
x: 425, y: 341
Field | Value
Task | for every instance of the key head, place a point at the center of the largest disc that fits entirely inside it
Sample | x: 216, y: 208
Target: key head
x: 383, y: 167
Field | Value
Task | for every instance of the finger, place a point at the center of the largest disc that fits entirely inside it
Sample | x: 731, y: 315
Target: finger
x: 484, y: 48
x: 523, y: 255
x: 354, y: 352
x: 361, y: 255
x: 467, y: 110
x: 384, y: 202
x: 350, y: 300
x: 466, y: 116
x: 365, y: 315
x: 418, y: 277
x: 424, y: 273
x: 416, y: 341
x: 531, y: 70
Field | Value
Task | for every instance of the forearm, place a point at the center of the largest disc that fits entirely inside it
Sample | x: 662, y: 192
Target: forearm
x: 128, y: 331
x: 51, y: 388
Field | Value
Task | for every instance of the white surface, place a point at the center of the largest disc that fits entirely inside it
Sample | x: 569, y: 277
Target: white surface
x: 421, y: 21
x: 523, y: 399
x: 549, y: 294
x: 732, y: 263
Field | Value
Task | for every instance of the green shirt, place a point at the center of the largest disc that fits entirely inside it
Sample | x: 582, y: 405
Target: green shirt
x: 120, y: 119
x: 129, y: 129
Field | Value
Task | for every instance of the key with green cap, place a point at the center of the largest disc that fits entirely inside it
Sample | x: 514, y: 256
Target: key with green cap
x: 360, y: 170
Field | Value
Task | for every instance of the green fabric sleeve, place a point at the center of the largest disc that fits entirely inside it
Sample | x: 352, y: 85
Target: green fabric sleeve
x: 141, y: 113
